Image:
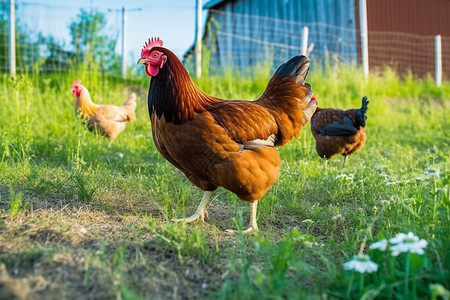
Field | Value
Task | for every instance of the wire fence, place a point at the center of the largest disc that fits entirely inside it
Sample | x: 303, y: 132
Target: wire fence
x: 408, y: 53
x: 241, y: 40
x: 53, y: 38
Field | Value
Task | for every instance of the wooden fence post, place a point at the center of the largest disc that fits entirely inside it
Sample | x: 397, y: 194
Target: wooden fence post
x: 364, y: 43
x: 305, y: 40
x: 124, y: 43
x: 198, y: 40
x: 438, y: 60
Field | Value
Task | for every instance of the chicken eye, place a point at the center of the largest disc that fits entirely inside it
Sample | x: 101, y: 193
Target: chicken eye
x: 155, y: 55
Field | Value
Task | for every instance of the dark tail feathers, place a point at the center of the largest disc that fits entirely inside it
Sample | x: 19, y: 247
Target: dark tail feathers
x: 297, y: 67
x: 361, y: 113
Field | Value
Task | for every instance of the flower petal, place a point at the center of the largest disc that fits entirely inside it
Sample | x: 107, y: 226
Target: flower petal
x: 380, y: 245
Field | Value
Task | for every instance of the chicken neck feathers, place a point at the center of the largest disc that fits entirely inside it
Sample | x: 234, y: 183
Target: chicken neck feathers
x: 174, y: 94
x: 84, y: 104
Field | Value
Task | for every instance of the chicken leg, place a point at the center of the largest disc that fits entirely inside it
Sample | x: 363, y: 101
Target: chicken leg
x: 253, y: 227
x: 201, y: 212
x: 325, y: 162
x: 345, y: 161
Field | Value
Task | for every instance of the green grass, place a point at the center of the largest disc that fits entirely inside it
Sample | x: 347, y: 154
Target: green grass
x: 79, y: 218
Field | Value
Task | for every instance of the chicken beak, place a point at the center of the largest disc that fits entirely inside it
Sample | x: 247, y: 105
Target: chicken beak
x: 142, y: 61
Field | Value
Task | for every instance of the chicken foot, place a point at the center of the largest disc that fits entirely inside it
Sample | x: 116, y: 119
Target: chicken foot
x: 201, y: 212
x: 253, y: 227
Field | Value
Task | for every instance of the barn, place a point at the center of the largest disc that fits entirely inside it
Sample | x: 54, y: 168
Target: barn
x: 401, y: 34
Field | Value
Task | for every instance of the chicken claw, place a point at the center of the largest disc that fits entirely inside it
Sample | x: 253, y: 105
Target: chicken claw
x: 201, y: 212
x: 253, y: 225
x: 250, y: 229
x: 202, y: 215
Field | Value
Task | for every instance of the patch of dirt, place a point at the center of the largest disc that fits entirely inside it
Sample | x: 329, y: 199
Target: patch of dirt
x: 61, y: 252
x: 20, y: 288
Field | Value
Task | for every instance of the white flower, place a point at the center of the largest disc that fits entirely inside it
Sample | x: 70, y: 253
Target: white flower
x: 345, y: 176
x: 444, y: 189
x: 120, y: 154
x: 308, y: 222
x: 429, y: 173
x: 337, y: 217
x: 432, y: 172
x: 300, y: 238
x: 407, y: 243
x: 397, y: 182
x: 384, y: 175
x: 393, y: 182
x: 380, y: 245
x: 361, y: 263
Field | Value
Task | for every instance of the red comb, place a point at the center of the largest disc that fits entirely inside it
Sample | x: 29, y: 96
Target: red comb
x: 76, y: 82
x: 313, y: 98
x: 153, y: 42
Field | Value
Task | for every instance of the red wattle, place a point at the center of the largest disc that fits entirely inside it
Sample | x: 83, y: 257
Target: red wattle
x: 151, y: 70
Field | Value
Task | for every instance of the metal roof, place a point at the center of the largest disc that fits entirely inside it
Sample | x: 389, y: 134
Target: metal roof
x: 212, y: 3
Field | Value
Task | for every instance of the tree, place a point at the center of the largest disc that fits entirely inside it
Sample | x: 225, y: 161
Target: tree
x: 94, y: 50
x: 91, y: 46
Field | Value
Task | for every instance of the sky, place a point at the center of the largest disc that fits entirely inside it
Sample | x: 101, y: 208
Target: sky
x: 171, y: 20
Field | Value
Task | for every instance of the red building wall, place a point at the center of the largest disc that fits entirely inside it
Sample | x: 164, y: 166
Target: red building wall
x: 401, y: 35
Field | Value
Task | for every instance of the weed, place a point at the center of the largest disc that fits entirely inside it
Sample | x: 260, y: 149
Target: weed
x: 81, y: 187
x: 15, y: 203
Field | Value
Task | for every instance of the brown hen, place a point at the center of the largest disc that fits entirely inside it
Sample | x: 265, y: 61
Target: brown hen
x: 217, y: 142
x: 109, y: 120
x: 339, y: 131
